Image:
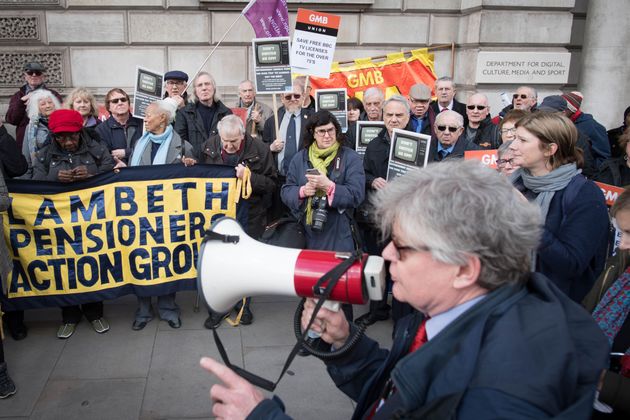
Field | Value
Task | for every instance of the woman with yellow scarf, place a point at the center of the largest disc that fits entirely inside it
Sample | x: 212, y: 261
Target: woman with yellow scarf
x: 325, y: 184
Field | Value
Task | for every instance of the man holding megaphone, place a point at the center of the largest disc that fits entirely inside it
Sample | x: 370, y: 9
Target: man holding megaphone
x: 489, y: 339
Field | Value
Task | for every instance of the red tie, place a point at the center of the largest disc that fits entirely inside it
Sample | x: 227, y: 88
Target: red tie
x: 421, y: 336
x: 418, y: 341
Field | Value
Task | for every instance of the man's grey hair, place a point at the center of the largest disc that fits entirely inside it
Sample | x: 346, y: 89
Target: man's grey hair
x: 459, y: 209
x: 243, y: 82
x: 167, y: 107
x: 193, y: 97
x: 32, y: 109
x: 531, y: 89
x: 458, y: 117
x: 398, y: 98
x: 230, y: 124
x: 445, y: 79
x: 373, y: 92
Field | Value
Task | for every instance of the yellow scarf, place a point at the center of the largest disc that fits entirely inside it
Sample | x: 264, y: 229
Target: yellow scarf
x: 320, y: 159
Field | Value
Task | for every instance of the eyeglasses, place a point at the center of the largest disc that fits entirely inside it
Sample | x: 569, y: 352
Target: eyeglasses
x: 33, y: 72
x: 503, y: 162
x: 175, y: 82
x: 419, y: 101
x: 323, y: 131
x: 292, y: 95
x: 445, y: 127
x: 402, y: 248
x: 479, y: 107
x: 116, y: 100
x: 508, y: 130
x: 522, y: 96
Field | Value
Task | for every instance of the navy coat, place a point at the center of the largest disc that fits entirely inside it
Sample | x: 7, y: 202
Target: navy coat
x: 113, y: 134
x: 572, y: 250
x: 520, y: 353
x: 349, y: 182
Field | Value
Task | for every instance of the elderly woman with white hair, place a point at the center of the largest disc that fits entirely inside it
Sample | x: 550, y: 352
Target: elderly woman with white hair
x: 37, y: 135
x: 159, y: 145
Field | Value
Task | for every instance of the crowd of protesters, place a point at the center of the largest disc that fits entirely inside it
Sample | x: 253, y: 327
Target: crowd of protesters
x: 303, y: 164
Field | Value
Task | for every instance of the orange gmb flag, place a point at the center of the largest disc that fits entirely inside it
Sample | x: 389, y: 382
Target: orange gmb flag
x: 610, y: 192
x: 395, y: 75
x: 487, y: 157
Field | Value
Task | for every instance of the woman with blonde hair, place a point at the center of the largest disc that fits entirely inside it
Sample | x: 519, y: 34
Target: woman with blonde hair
x: 82, y: 101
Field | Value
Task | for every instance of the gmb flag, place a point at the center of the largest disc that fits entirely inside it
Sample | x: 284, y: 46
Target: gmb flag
x: 137, y: 231
x: 395, y: 75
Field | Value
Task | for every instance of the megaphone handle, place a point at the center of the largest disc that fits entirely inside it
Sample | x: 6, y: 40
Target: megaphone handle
x: 331, y: 305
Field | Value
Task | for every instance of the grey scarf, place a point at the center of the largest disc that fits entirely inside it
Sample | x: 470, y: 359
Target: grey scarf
x: 547, y: 185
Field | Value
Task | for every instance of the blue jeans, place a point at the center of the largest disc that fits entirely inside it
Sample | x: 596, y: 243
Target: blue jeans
x: 167, y: 308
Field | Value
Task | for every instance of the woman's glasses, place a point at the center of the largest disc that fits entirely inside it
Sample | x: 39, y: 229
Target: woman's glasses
x: 323, y: 131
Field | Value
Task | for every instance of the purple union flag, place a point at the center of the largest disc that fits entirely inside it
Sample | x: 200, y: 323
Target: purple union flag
x: 269, y: 18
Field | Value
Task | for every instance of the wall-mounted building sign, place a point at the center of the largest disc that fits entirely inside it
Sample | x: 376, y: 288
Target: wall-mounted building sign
x: 526, y: 67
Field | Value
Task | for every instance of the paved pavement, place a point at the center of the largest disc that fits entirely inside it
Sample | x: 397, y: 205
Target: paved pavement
x: 155, y: 373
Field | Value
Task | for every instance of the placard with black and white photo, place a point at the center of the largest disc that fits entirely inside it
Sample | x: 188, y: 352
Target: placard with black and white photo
x: 335, y: 101
x: 366, y: 131
x: 408, y: 150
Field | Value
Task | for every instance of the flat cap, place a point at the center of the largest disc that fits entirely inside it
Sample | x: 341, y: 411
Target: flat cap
x: 34, y: 66
x: 420, y: 91
x: 176, y: 75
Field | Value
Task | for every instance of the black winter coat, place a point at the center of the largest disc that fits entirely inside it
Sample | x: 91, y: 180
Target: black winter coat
x: 52, y: 159
x: 191, y: 128
x: 488, y: 135
x: 257, y: 158
x: 114, y: 136
x: 12, y: 162
x: 614, y: 172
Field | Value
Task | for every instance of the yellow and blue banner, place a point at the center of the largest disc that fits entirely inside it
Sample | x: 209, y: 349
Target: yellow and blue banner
x: 137, y: 231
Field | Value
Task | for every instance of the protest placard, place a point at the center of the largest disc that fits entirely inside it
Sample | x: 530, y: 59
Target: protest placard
x: 272, y: 65
x: 314, y: 42
x: 487, y: 157
x: 366, y: 131
x: 149, y: 88
x: 335, y: 101
x: 408, y: 150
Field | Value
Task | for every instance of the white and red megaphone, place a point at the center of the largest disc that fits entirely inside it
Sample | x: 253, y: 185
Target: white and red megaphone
x: 240, y: 266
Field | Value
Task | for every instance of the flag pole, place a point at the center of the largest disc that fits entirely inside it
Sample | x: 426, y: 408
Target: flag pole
x: 220, y: 41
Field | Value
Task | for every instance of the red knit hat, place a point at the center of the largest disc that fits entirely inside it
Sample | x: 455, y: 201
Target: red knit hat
x: 574, y: 101
x: 65, y: 121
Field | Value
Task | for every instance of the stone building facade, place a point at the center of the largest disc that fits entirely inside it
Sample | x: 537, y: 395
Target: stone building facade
x: 98, y: 43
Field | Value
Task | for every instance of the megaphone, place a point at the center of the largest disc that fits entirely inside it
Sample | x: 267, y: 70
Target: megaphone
x: 231, y: 265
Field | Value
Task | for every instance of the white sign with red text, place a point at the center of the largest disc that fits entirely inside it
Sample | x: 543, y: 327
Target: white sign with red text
x: 314, y: 42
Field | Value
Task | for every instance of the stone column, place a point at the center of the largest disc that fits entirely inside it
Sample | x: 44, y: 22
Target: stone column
x: 605, y: 73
